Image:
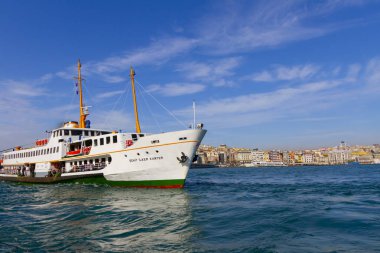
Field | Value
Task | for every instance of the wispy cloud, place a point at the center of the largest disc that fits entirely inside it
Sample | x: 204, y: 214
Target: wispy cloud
x: 157, y: 53
x: 373, y: 71
x: 214, y: 72
x: 284, y: 73
x: 109, y: 94
x: 296, y: 102
x: 250, y: 25
x: 176, y: 89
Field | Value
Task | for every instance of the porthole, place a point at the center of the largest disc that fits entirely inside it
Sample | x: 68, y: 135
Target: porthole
x: 138, y: 153
x: 147, y: 152
x: 157, y: 151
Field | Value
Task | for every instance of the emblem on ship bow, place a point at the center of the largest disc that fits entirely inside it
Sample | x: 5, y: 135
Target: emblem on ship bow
x: 183, y: 158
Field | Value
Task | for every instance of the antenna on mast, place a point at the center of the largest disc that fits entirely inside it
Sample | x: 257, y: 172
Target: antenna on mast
x: 194, y: 114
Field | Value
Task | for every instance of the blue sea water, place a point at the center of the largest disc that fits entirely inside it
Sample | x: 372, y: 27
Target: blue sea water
x: 295, y: 209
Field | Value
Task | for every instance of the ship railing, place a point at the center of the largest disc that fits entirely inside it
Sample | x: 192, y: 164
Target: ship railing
x: 87, y: 167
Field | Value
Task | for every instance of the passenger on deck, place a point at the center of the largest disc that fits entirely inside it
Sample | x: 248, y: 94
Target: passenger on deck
x: 32, y: 173
x: 74, y: 168
x: 27, y: 169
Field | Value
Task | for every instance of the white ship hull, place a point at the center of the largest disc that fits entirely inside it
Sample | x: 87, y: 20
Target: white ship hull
x: 148, y: 164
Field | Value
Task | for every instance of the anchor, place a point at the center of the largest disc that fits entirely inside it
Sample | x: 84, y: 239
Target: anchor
x: 183, y: 158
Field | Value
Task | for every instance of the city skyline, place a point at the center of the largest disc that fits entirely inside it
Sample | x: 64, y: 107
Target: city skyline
x: 266, y: 74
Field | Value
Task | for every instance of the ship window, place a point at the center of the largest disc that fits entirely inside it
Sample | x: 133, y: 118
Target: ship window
x: 114, y: 139
x: 80, y: 162
x: 101, y: 141
x: 134, y: 137
x: 88, y: 143
x: 95, y: 142
x: 57, y: 149
x: 157, y: 151
x: 183, y: 138
x: 85, y: 133
x: 108, y: 140
x: 109, y: 159
x: 155, y: 141
x: 96, y: 160
x: 76, y: 132
x: 91, y: 161
x: 141, y: 135
x: 66, y: 132
x: 75, y: 163
x: 103, y: 160
x: 71, y: 163
x: 85, y: 161
x: 138, y: 153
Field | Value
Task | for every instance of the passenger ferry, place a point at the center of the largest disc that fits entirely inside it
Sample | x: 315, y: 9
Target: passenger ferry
x: 77, y: 153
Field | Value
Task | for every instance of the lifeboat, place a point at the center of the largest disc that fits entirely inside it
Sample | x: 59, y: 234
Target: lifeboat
x: 41, y: 142
x: 73, y: 153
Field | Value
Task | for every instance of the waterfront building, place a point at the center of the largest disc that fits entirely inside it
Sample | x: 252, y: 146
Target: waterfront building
x: 242, y: 156
x: 275, y: 156
x: 266, y: 156
x: 307, y: 158
x: 338, y: 156
x: 368, y: 159
x: 257, y: 156
x: 298, y: 157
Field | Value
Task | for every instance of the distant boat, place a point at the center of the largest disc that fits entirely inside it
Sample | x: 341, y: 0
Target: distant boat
x: 77, y: 153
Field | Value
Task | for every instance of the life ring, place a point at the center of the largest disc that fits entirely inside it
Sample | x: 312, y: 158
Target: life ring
x: 128, y: 143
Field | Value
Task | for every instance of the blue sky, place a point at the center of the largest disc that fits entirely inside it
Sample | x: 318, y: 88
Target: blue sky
x: 266, y: 74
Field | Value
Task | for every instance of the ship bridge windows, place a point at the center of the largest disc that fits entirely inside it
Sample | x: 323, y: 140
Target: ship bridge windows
x: 108, y: 140
x: 114, y: 139
x: 66, y: 132
x: 85, y: 133
x: 101, y: 141
x: 75, y: 146
x: 76, y: 132
x: 95, y: 142
x: 88, y: 143
x: 134, y: 137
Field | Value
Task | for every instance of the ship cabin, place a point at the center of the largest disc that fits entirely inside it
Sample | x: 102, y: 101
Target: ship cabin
x: 68, y: 149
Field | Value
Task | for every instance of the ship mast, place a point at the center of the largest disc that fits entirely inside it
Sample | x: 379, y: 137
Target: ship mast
x: 82, y: 113
x: 132, y: 75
